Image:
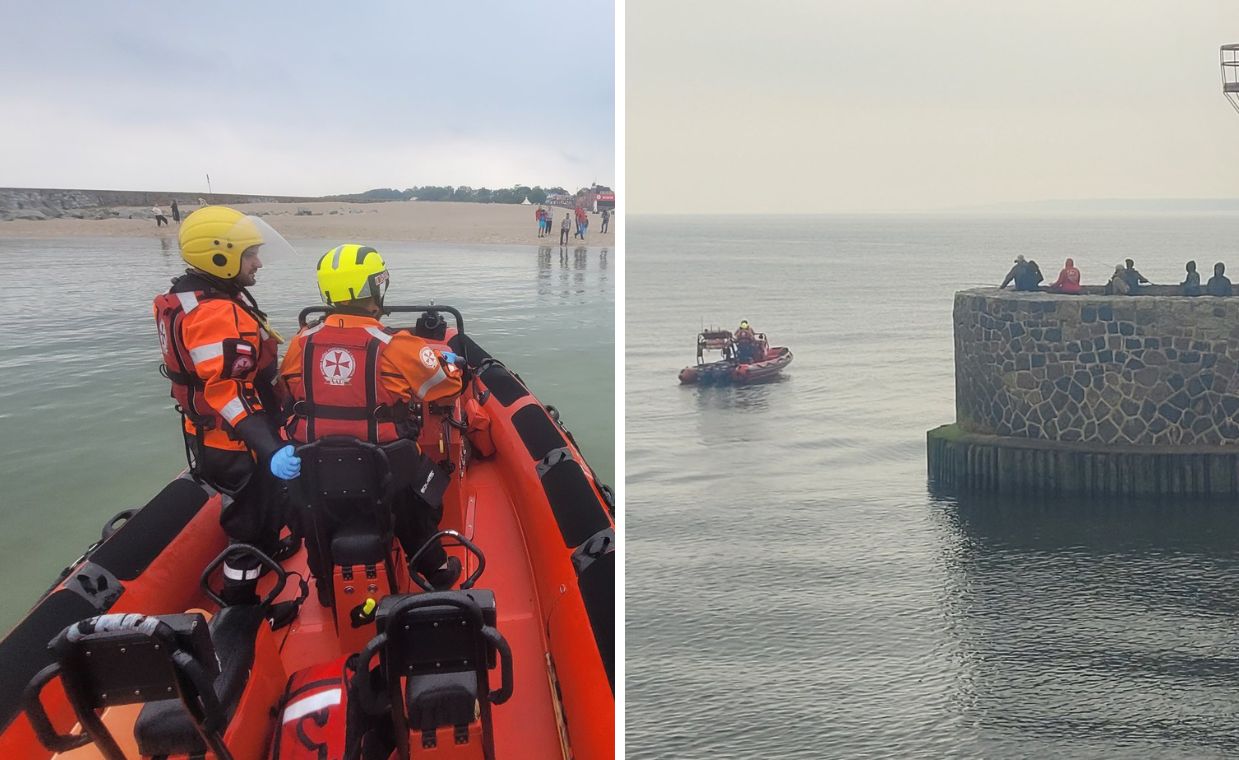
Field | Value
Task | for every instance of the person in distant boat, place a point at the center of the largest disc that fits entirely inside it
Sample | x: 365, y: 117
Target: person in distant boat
x: 1068, y: 279
x: 220, y: 355
x: 1191, y: 283
x: 746, y: 343
x: 348, y: 375
x: 1117, y: 286
x: 1134, y: 278
x: 1219, y: 283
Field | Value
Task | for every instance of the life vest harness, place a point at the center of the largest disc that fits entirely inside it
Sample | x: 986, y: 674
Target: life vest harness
x: 347, y: 402
x: 188, y: 390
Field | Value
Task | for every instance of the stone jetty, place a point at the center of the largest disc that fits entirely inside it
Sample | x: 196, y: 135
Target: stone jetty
x: 1093, y: 394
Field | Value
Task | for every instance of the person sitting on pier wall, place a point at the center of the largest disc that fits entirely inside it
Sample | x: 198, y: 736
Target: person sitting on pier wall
x: 1020, y: 266
x: 1219, y: 283
x: 1032, y: 277
x: 1117, y: 286
x: 1026, y: 274
x: 1134, y: 278
x: 1068, y: 280
x: 1191, y: 284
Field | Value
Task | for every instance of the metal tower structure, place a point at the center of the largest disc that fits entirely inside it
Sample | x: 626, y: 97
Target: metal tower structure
x: 1230, y: 74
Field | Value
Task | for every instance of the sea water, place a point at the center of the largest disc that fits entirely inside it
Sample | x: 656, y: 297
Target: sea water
x: 87, y: 427
x: 794, y: 586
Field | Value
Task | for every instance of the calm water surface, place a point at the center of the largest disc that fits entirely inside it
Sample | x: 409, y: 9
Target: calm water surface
x: 86, y: 424
x: 796, y: 589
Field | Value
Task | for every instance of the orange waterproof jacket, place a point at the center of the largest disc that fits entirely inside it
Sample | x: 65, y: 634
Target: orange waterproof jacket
x: 348, y: 375
x: 219, y: 357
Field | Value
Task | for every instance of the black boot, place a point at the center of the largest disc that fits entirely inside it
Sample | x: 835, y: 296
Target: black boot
x: 241, y: 573
x: 286, y: 548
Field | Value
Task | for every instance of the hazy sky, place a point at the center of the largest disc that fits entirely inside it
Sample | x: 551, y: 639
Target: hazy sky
x: 902, y: 105
x: 307, y: 97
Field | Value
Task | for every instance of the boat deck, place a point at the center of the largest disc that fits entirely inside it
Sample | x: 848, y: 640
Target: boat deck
x: 526, y: 726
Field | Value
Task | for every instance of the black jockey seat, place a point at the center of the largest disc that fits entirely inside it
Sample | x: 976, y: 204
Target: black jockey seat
x: 347, y: 489
x: 443, y: 644
x: 164, y: 727
x: 168, y: 661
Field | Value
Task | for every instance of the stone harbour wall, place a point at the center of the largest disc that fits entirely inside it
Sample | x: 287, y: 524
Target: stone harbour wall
x: 976, y: 462
x: 52, y: 203
x: 1148, y: 370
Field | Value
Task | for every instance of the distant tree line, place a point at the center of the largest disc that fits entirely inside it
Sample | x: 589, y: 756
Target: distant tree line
x: 460, y: 194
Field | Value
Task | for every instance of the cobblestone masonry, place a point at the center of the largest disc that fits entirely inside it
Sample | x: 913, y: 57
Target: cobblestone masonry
x: 1146, y: 370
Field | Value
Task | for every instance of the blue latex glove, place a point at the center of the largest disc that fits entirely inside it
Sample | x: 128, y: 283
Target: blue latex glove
x: 285, y: 464
x: 449, y: 357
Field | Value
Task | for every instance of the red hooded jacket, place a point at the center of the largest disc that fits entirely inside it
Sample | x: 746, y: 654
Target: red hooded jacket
x: 1068, y: 280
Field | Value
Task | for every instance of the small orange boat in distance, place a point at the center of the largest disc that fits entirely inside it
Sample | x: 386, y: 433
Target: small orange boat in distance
x: 134, y: 654
x: 765, y: 365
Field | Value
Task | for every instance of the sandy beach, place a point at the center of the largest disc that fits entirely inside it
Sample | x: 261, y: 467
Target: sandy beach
x: 357, y: 222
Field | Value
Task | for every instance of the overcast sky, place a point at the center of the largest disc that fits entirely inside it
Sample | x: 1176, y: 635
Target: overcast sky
x: 803, y: 106
x: 307, y: 97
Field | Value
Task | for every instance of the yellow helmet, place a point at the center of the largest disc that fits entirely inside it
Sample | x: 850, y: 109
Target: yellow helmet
x: 744, y: 324
x: 351, y: 271
x: 214, y: 237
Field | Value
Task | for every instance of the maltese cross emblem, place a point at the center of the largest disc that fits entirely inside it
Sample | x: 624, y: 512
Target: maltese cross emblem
x: 337, y: 366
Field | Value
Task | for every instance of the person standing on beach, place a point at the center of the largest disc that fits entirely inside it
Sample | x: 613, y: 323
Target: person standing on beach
x: 606, y: 220
x: 160, y: 219
x: 220, y: 355
x: 176, y: 212
x: 563, y: 229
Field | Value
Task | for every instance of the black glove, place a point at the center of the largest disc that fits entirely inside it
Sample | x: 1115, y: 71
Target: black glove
x: 258, y: 435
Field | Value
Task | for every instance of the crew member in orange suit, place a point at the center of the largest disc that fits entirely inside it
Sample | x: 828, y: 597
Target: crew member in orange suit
x: 330, y: 380
x: 220, y: 354
x: 746, y: 343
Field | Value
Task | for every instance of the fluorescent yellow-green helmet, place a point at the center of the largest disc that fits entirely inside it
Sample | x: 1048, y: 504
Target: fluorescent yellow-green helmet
x: 351, y: 271
x: 744, y: 324
x: 213, y: 238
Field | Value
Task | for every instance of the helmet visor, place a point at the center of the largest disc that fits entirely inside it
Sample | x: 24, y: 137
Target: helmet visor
x: 376, y: 287
x: 273, y: 248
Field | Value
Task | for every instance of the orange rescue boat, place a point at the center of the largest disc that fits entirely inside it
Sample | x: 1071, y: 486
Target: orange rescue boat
x: 133, y: 654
